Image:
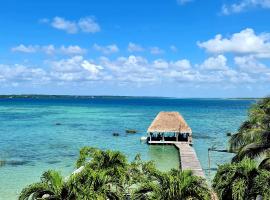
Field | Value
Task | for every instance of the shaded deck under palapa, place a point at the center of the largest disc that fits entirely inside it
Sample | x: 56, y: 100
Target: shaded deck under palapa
x: 171, y: 128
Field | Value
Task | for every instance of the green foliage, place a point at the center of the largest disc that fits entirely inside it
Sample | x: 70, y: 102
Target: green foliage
x: 241, y: 181
x: 253, y: 137
x: 173, y: 185
x: 52, y: 184
x: 108, y: 175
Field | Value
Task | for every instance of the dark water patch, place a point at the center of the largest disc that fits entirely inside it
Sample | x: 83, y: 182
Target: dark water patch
x: 59, y: 146
x: 2, y: 163
x: 7, y: 116
x: 70, y: 155
x: 75, y: 125
x: 53, y: 162
x: 131, y: 131
x: 202, y: 136
x: 15, y: 163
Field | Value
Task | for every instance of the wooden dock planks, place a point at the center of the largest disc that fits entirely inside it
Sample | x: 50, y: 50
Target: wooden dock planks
x: 188, y: 159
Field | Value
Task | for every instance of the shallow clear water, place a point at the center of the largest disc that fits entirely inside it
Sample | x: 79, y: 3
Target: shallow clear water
x: 31, y: 142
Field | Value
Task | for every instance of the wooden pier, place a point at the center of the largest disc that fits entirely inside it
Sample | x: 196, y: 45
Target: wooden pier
x: 188, y: 159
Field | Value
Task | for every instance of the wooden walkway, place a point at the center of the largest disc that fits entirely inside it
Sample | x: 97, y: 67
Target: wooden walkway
x: 188, y: 159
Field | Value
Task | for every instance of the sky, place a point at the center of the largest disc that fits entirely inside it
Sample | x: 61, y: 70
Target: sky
x: 173, y: 48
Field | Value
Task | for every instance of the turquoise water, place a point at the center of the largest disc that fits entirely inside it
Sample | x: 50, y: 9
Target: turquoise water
x: 31, y: 142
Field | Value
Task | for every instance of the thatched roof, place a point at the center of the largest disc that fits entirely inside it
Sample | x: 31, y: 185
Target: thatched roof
x: 169, y: 122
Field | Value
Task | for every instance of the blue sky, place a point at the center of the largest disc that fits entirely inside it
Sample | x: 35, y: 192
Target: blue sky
x: 180, y: 48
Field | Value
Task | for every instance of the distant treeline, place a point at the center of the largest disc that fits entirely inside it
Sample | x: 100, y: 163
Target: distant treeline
x: 41, y: 96
x: 44, y: 96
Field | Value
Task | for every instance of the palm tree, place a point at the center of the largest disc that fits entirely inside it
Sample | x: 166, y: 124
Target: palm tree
x: 173, y: 185
x: 241, y: 181
x: 108, y: 175
x: 253, y: 137
x: 93, y: 185
x: 51, y: 186
x: 113, y: 163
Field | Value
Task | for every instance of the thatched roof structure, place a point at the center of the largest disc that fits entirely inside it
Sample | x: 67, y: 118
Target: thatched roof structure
x: 169, y: 122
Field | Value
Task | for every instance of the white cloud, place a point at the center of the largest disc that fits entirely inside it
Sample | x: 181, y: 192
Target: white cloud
x: 50, y: 49
x: 65, y: 25
x: 109, y: 49
x: 94, y: 69
x: 88, y: 25
x: 132, y: 47
x: 160, y: 64
x: 15, y: 74
x: 85, y: 24
x: 25, y: 49
x: 181, y: 64
x: 215, y: 63
x: 134, y: 69
x: 67, y: 65
x: 244, y: 42
x: 75, y: 69
x: 251, y: 65
x: 72, y: 49
x: 244, y: 5
x: 156, y: 50
x: 183, y: 2
x: 137, y: 70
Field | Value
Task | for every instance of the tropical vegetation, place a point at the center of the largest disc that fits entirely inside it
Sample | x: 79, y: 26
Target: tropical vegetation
x: 253, y: 137
x: 242, y: 180
x: 105, y: 174
x: 248, y: 176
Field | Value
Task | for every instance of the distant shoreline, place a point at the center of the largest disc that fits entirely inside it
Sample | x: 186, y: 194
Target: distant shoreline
x: 41, y: 96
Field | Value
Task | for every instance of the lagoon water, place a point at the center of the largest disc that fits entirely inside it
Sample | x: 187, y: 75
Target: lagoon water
x: 41, y: 134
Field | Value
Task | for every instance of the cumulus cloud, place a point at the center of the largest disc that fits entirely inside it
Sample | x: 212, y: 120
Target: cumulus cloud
x: 156, y: 50
x: 160, y: 64
x: 75, y: 69
x: 244, y: 5
x: 215, y: 63
x: 50, y: 49
x: 137, y: 69
x: 92, y: 68
x: 25, y: 49
x: 109, y: 49
x: 88, y: 25
x: 181, y: 64
x: 65, y: 25
x: 72, y: 49
x: 251, y: 65
x: 132, y: 47
x: 244, y: 42
x: 15, y: 74
x: 85, y: 24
